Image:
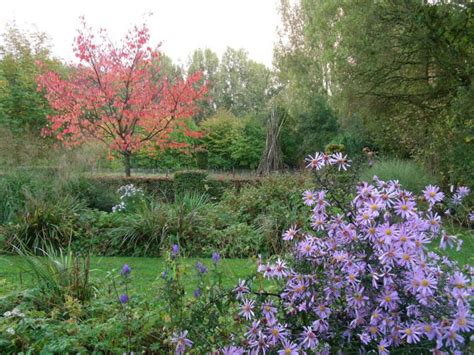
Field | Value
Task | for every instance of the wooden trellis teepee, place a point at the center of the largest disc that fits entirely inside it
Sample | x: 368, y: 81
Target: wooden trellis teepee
x: 272, y: 155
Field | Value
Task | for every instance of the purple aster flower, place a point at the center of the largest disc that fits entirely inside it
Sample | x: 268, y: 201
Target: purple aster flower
x: 383, y: 347
x: 259, y: 344
x: 269, y: 310
x: 276, y: 333
x: 315, y: 162
x: 411, y: 334
x: 216, y: 257
x: 181, y: 342
x: 463, y: 322
x: 253, y: 331
x: 174, y: 251
x: 126, y: 270
x: 246, y: 309
x: 309, y: 197
x: 341, y: 161
x: 453, y: 338
x: 463, y: 191
x: 404, y: 208
x: 123, y: 298
x: 426, y: 284
x: 432, y: 194
x: 290, y: 233
x: 289, y: 348
x: 280, y: 269
x: 389, y: 299
x: 308, y: 338
x: 233, y: 350
x: 323, y: 311
x: 241, y: 289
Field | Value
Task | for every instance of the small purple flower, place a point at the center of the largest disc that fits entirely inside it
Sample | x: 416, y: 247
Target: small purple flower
x: 181, y: 342
x: 197, y: 292
x: 341, y: 161
x: 411, y: 334
x: 241, y: 289
x: 201, y: 268
x: 463, y: 191
x: 290, y: 233
x: 123, y: 298
x: 126, y: 270
x: 289, y: 348
x: 432, y: 194
x: 233, y: 350
x: 216, y: 257
x: 174, y: 250
x: 308, y: 338
x: 246, y: 310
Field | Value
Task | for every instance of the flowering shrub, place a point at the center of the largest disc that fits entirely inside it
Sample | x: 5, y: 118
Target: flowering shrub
x: 130, y: 196
x: 362, y: 278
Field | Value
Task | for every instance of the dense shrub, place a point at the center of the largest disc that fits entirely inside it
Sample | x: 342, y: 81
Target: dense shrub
x: 43, y: 224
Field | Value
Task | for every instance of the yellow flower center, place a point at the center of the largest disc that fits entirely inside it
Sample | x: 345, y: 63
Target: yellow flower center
x: 388, y: 299
x: 424, y: 283
x: 409, y: 331
x: 404, y: 207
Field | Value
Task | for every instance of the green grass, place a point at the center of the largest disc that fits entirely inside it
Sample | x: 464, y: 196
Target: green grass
x: 465, y: 256
x: 410, y: 175
x: 14, y: 274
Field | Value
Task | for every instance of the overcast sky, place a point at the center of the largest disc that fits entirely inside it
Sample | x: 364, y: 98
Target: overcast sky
x: 182, y: 25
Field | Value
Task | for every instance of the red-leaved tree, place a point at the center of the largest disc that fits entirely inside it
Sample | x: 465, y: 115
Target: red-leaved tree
x: 117, y: 95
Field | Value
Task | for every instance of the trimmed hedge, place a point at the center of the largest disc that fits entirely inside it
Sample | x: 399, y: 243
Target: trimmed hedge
x: 167, y: 188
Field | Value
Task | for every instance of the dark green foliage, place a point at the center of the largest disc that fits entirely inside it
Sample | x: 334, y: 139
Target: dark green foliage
x: 189, y: 181
x: 232, y: 142
x: 398, y: 74
x: 43, y: 224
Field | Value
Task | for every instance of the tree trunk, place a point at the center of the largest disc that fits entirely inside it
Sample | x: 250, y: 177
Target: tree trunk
x: 126, y: 162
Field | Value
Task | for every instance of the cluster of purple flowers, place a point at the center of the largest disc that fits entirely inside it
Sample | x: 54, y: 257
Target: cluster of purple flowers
x: 362, y: 276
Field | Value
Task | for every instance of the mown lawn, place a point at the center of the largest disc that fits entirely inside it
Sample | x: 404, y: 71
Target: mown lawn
x: 15, y: 276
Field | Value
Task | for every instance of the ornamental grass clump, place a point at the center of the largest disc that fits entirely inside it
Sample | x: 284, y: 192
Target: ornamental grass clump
x: 360, y: 276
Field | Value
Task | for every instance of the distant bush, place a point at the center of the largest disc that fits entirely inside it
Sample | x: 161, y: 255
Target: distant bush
x: 412, y: 176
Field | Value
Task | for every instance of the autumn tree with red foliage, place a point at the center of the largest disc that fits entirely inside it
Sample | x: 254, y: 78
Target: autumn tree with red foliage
x: 117, y: 95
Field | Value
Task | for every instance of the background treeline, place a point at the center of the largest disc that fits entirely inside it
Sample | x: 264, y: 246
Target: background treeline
x: 395, y: 77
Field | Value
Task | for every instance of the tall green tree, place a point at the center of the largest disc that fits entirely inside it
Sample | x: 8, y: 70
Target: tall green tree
x: 22, y: 107
x: 206, y: 62
x: 242, y: 83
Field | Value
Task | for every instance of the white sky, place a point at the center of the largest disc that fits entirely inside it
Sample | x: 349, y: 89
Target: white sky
x: 181, y: 25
